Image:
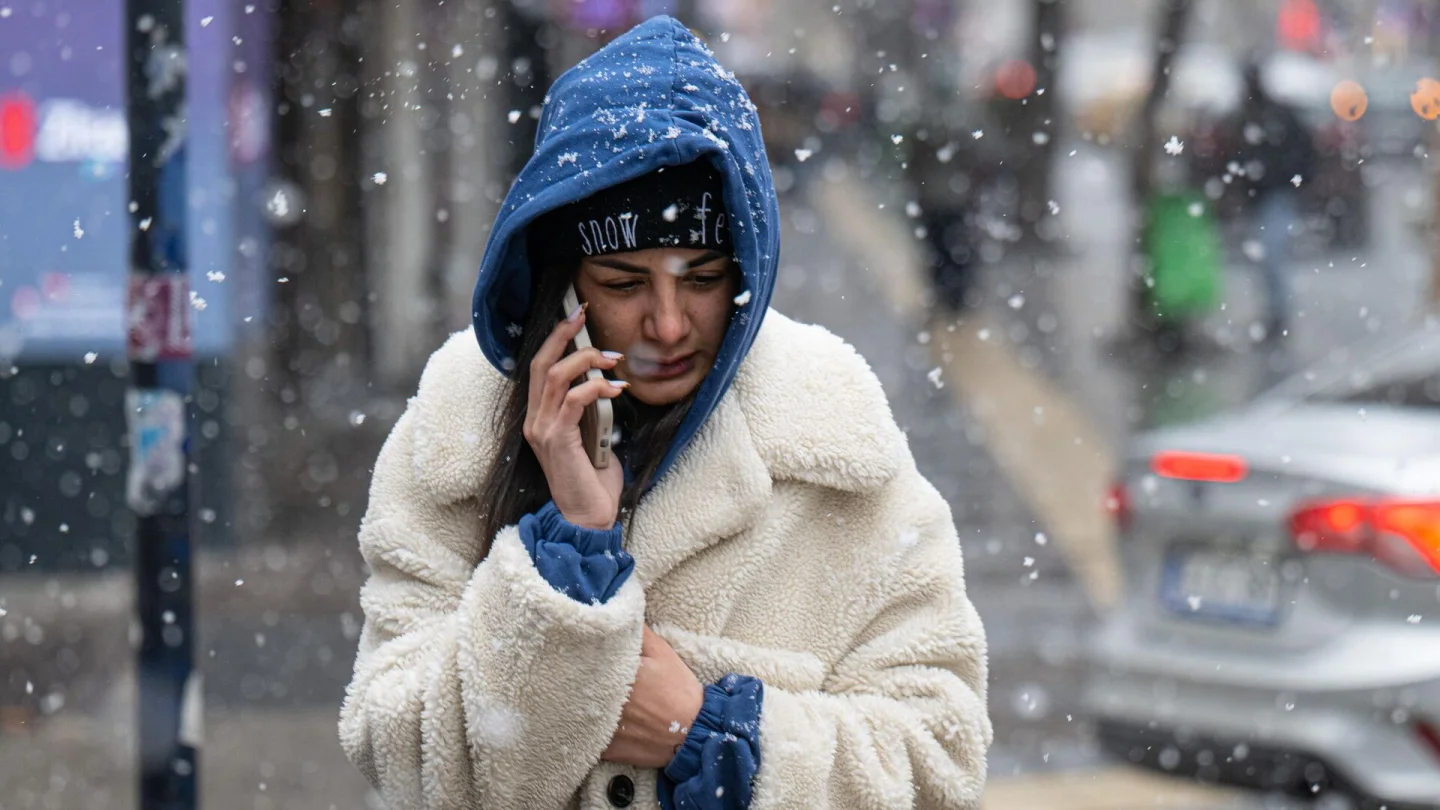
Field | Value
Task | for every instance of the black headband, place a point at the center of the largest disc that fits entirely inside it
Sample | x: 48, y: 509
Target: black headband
x: 676, y: 206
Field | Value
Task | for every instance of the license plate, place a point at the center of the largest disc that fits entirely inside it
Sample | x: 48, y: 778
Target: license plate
x: 1239, y: 588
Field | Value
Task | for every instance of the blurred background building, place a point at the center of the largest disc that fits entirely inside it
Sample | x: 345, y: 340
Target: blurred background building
x: 984, y: 197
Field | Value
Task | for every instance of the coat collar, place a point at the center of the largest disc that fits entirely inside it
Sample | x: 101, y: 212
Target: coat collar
x: 804, y: 407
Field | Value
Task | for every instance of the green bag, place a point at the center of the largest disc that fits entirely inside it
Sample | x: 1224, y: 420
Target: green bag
x: 1182, y: 244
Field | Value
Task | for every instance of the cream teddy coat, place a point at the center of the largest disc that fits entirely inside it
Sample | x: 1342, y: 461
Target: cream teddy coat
x: 794, y: 540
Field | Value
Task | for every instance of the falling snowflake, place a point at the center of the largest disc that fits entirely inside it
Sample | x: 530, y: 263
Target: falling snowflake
x: 513, y: 116
x: 934, y: 377
x: 90, y: 358
x: 215, y: 275
x: 5, y: 12
x: 1040, y: 138
x: 1413, y: 618
x: 1016, y: 301
x: 1054, y: 207
x: 379, y: 178
x: 1174, y: 146
x: 205, y: 21
x: 325, y: 112
x: 457, y: 52
x: 671, y: 213
x: 803, y: 155
x: 1196, y: 209
x: 197, y: 302
x: 145, y: 223
x: 1295, y: 181
x: 978, y: 134
x: 79, y: 231
x: 897, y: 139
x: 742, y: 299
x: 945, y: 153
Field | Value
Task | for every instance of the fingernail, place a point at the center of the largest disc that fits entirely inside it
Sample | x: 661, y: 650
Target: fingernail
x: 575, y: 313
x: 612, y: 355
x: 620, y: 383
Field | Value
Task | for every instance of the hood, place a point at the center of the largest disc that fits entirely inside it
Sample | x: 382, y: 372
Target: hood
x: 654, y: 97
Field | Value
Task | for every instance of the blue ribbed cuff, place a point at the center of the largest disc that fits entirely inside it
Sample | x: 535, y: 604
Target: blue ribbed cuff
x: 588, y: 565
x: 554, y: 528
x: 728, y: 724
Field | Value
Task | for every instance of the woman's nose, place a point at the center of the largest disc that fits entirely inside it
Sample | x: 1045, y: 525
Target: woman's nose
x: 669, y: 320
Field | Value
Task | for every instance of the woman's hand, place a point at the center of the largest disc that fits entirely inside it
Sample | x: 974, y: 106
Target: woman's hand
x: 584, y: 495
x: 664, y: 703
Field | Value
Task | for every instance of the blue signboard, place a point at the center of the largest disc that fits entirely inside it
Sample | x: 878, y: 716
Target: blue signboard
x: 63, y: 145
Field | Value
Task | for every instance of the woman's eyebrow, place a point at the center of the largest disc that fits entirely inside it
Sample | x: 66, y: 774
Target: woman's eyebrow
x: 616, y: 264
x: 702, y: 260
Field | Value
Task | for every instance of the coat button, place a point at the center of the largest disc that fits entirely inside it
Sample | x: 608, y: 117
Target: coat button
x: 621, y: 791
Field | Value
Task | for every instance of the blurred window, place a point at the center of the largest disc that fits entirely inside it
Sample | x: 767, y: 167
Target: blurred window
x: 1417, y: 392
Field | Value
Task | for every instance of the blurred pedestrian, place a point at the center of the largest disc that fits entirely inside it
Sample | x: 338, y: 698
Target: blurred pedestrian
x: 758, y: 599
x: 947, y: 173
x: 1275, y: 154
x: 949, y: 165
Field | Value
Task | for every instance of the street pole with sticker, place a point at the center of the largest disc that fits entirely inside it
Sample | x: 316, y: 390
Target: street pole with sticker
x: 157, y: 404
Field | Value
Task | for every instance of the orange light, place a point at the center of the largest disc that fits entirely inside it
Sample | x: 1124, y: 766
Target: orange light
x: 1222, y: 469
x: 1348, y: 100
x: 1425, y: 101
x: 1343, y: 516
x: 1015, y: 79
x: 1416, y: 521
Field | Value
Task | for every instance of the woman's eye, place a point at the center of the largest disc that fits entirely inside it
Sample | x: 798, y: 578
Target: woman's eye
x: 710, y: 278
x: 623, y: 286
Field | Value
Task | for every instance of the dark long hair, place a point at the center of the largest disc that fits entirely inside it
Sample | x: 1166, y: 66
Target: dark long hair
x: 515, y: 484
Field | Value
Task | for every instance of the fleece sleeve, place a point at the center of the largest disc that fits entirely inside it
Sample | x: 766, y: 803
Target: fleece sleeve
x: 716, y: 764
x: 900, y: 721
x: 587, y: 565
x: 476, y: 684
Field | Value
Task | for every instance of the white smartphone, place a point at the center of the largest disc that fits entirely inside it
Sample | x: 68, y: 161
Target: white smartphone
x: 598, y: 422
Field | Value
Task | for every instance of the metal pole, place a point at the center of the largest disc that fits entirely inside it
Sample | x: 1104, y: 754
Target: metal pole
x: 156, y: 404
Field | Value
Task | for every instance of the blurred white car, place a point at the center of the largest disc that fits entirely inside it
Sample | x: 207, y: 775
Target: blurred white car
x: 1281, y: 623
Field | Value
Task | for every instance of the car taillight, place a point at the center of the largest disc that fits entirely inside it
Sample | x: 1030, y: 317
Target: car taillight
x: 1429, y: 736
x: 1117, y: 504
x: 1404, y: 534
x: 1213, y: 467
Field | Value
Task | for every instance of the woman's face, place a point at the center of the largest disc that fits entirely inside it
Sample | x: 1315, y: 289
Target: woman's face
x: 665, y: 309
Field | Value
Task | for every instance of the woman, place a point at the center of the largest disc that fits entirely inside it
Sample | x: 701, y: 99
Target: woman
x: 759, y: 602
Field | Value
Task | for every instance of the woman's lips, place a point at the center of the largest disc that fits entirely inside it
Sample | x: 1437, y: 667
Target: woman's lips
x: 663, y: 370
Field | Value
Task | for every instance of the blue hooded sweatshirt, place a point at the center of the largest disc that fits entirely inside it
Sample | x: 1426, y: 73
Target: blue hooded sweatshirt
x: 652, y: 98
